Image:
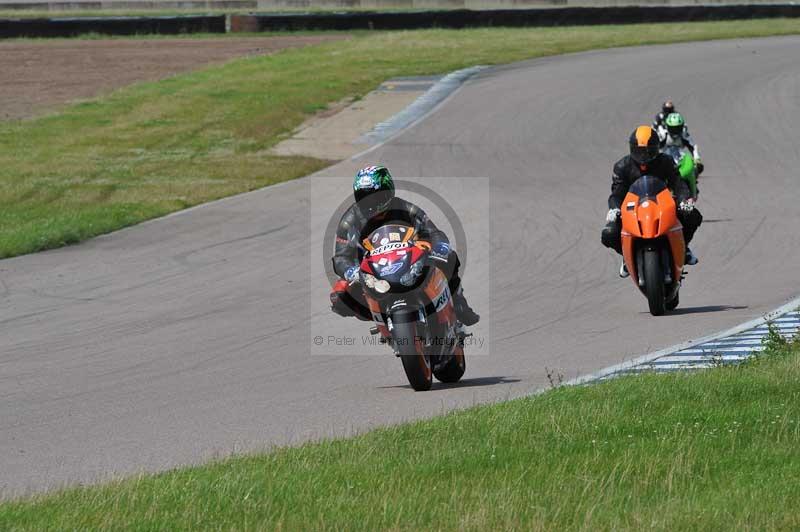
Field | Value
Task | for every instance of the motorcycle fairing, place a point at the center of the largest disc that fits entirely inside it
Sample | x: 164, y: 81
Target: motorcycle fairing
x: 653, y: 216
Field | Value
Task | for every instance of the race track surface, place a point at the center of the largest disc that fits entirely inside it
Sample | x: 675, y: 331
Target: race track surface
x: 186, y: 338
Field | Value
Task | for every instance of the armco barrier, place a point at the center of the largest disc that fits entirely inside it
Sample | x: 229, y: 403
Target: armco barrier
x: 70, y: 27
x: 464, y: 18
x: 375, y: 20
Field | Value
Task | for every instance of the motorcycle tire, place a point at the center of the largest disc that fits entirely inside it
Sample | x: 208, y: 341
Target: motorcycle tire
x: 454, y: 369
x: 654, y: 282
x: 416, y: 363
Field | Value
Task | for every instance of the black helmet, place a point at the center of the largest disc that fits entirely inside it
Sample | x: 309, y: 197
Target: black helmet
x: 667, y: 108
x: 644, y: 144
x: 373, y: 189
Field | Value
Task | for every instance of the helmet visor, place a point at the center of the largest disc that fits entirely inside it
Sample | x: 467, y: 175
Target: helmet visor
x: 675, y: 131
x: 373, y: 201
x: 643, y: 154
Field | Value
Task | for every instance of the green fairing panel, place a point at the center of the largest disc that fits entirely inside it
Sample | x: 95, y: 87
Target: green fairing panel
x: 687, y: 171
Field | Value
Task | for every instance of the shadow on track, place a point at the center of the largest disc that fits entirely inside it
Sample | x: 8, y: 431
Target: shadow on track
x: 706, y: 309
x: 463, y: 383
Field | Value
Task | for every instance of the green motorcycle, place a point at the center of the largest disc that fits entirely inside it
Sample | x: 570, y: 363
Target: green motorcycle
x: 684, y: 161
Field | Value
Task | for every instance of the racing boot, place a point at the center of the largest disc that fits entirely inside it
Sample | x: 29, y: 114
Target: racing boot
x: 691, y: 259
x: 464, y: 312
x: 623, y: 270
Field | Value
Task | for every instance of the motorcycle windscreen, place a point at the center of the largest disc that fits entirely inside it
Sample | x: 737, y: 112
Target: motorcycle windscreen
x: 390, y: 252
x: 647, y: 187
x: 388, y: 234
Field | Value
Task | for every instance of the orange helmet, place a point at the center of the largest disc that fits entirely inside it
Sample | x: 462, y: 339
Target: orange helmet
x: 644, y: 144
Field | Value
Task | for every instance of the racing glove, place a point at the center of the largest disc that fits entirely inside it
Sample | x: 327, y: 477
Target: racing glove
x: 612, y: 215
x: 351, y: 274
x: 687, y: 206
x: 440, y: 251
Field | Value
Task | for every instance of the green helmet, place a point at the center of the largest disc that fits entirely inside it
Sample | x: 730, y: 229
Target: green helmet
x: 675, y: 124
x: 373, y: 189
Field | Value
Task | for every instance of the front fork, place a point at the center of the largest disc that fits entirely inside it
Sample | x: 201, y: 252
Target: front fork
x: 419, y: 318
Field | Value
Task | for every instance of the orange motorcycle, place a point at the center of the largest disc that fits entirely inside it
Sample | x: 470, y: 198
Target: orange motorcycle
x: 652, y: 242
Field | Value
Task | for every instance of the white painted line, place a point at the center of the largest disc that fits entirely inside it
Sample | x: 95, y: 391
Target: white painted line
x: 687, y: 367
x: 421, y: 106
x: 673, y: 359
x: 436, y: 106
x: 743, y: 349
x: 735, y: 341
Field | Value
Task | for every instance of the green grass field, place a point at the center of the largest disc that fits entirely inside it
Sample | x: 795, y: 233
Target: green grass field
x: 710, y: 450
x: 157, y: 147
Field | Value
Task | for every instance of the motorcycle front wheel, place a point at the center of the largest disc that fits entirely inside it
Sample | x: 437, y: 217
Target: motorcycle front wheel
x: 654, y: 281
x: 416, y: 363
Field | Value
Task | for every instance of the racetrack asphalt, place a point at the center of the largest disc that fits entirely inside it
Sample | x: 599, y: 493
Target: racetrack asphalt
x: 185, y: 338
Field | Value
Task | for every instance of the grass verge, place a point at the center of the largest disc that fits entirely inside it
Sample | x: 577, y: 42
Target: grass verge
x: 157, y: 147
x: 711, y: 450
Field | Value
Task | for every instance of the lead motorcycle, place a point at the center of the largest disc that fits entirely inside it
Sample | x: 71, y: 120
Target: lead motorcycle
x: 412, y: 307
x: 652, y: 242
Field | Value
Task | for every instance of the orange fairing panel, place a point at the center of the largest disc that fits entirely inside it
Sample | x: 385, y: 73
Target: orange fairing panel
x: 649, y: 215
x: 438, y: 292
x: 630, y: 224
x: 669, y: 211
x: 628, y: 256
x: 676, y: 244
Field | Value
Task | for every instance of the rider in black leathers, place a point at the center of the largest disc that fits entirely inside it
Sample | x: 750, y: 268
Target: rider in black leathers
x: 645, y: 159
x: 363, y: 217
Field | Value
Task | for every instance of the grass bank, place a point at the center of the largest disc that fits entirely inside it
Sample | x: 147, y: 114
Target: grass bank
x: 712, y: 450
x: 157, y: 147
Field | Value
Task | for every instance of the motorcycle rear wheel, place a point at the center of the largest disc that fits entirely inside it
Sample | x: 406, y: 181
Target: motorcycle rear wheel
x: 416, y: 363
x: 654, y: 282
x: 454, y: 369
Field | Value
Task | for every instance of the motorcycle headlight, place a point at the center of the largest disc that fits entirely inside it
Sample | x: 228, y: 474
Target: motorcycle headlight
x: 410, y: 277
x: 382, y: 286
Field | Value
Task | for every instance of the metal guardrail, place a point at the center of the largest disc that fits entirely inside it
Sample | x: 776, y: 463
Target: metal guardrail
x: 464, y: 18
x: 377, y: 20
x: 71, y: 27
